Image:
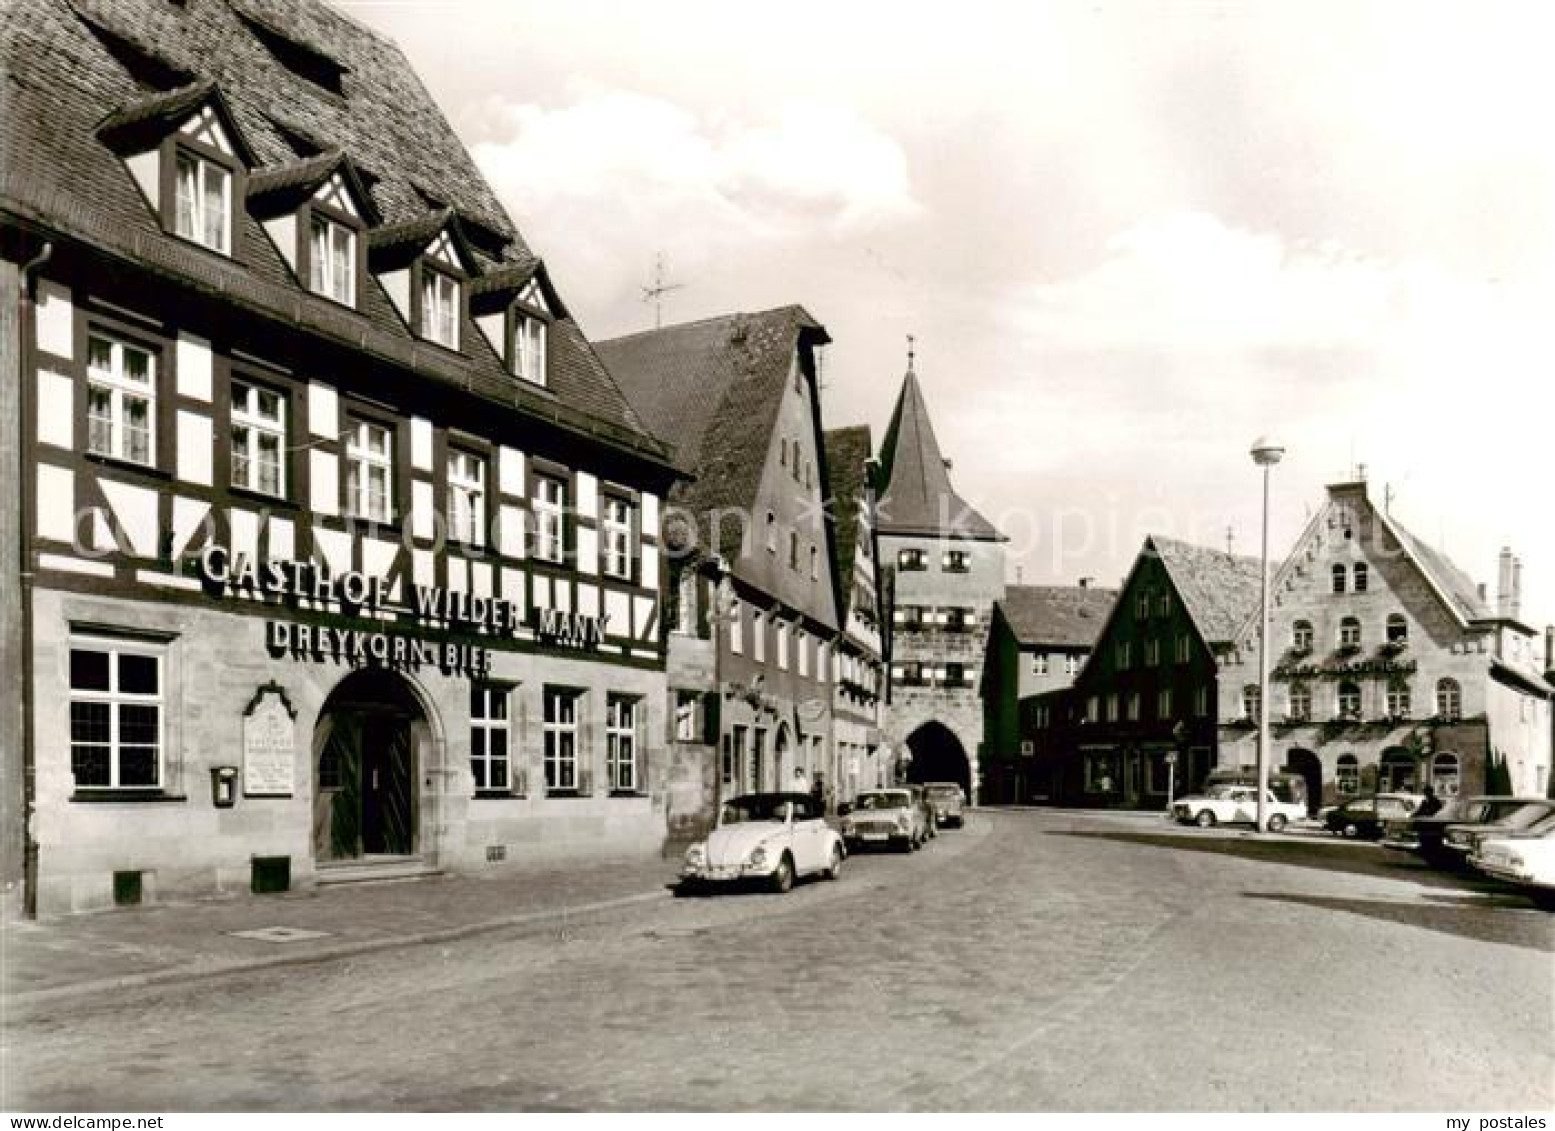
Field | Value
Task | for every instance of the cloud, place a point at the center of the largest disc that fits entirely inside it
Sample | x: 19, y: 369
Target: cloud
x: 616, y: 175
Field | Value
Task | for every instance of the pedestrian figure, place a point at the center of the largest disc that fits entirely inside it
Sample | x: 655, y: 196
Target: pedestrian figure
x: 1431, y: 805
x: 801, y: 781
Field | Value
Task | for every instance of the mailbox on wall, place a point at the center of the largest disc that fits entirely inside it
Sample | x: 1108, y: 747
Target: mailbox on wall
x: 224, y: 786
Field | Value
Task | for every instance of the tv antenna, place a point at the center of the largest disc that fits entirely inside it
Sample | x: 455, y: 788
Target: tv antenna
x: 655, y: 294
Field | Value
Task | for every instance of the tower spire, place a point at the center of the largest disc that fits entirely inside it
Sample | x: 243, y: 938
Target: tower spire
x: 911, y: 352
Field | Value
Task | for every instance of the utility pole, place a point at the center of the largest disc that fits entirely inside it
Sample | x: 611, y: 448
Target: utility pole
x: 655, y: 294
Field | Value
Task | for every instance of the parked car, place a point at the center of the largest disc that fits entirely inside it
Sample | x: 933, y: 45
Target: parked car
x: 948, y: 803
x: 886, y: 816
x: 770, y: 838
x: 1525, y: 858
x: 1462, y: 839
x: 1423, y: 835
x: 1365, y: 816
x: 1286, y: 785
x: 1235, y: 804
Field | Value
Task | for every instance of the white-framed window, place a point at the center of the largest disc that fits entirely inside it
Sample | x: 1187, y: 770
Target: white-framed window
x: 370, y: 471
x: 258, y: 438
x: 121, y: 400
x: 560, y: 728
x: 687, y: 713
x: 550, y: 507
x: 1349, y: 633
x: 1397, y: 629
x: 782, y: 645
x: 911, y: 559
x: 737, y: 627
x: 1072, y: 663
x: 802, y: 652
x: 489, y: 745
x: 822, y: 661
x: 1349, y: 697
x: 1449, y: 699
x: 621, y: 744
x: 1398, y: 698
x: 616, y: 529
x: 202, y: 201
x: 1039, y: 664
x: 1445, y: 775
x: 759, y: 636
x: 331, y: 259
x: 439, y: 308
x: 1250, y: 701
x: 466, y: 497
x: 1347, y: 775
x: 957, y: 561
x: 529, y: 348
x: 1300, y: 701
x: 116, y: 714
x: 1339, y: 574
x: 1301, y: 636
x: 1359, y: 577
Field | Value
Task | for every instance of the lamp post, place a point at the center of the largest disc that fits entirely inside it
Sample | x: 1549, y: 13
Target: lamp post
x: 1266, y: 453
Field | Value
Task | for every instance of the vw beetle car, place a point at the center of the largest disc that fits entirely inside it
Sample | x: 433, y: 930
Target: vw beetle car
x: 948, y: 803
x: 766, y: 838
x: 886, y: 816
x: 1235, y: 804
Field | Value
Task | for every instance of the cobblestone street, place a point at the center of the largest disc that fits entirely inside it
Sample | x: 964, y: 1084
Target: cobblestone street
x: 1032, y: 960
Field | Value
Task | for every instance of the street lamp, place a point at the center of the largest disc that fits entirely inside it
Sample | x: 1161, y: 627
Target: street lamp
x: 1266, y: 453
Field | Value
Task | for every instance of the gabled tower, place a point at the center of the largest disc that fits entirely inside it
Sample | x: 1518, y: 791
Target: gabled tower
x: 942, y: 570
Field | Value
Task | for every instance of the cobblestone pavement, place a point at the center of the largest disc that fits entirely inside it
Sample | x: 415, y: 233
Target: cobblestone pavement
x: 1030, y: 961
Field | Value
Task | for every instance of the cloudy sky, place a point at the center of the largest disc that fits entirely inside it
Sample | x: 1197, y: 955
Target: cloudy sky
x: 1129, y: 237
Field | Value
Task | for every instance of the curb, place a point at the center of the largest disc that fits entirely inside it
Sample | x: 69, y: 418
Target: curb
x: 322, y: 954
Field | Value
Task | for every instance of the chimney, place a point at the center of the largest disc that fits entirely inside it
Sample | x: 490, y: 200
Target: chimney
x: 1085, y: 583
x: 1484, y: 593
x: 1504, y: 584
x: 1517, y: 589
x: 1549, y: 649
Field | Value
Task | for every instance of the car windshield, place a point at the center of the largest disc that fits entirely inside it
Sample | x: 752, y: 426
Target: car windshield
x: 1224, y: 792
x: 947, y: 792
x: 757, y: 807
x: 892, y: 799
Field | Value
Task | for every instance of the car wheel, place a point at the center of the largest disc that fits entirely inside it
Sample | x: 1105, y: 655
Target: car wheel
x: 834, y: 870
x: 903, y: 845
x: 1276, y: 822
x: 783, y: 878
x: 687, y: 889
x: 1205, y: 819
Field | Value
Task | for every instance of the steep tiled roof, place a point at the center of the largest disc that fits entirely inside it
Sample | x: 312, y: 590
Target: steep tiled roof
x: 713, y: 389
x: 917, y: 497
x: 847, y: 458
x: 1455, y: 585
x: 1219, y: 590
x: 1062, y: 616
x: 64, y: 81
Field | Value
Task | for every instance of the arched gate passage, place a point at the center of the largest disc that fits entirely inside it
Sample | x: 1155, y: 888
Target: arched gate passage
x: 937, y: 755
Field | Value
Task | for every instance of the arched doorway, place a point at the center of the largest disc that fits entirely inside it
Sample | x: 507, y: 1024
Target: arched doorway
x: 1310, y: 767
x: 1398, y: 771
x: 937, y: 755
x: 365, y: 748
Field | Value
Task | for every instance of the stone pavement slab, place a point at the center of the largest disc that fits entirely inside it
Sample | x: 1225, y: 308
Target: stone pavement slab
x: 169, y: 941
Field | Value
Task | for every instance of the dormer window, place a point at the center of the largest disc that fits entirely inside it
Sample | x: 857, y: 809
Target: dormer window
x: 439, y: 308
x: 514, y: 308
x: 529, y: 347
x: 332, y: 260
x: 203, y: 194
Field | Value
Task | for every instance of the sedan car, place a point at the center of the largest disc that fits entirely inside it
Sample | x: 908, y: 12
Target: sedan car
x: 1424, y: 835
x: 1235, y: 804
x: 1365, y: 816
x: 1525, y: 858
x: 767, y: 838
x: 886, y: 817
x: 1463, y: 839
x: 948, y: 803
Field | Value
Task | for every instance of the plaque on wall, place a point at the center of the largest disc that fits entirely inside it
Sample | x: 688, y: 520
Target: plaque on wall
x: 269, y: 744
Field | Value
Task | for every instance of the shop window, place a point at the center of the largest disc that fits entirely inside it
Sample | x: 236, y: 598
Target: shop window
x: 1301, y: 636
x: 1349, y: 694
x: 466, y: 497
x: 616, y: 534
x: 1098, y: 774
x: 1300, y: 702
x: 121, y: 400
x: 560, y: 727
x: 202, y: 198
x: 1449, y: 699
x: 1445, y: 775
x: 1347, y: 775
x: 370, y: 471
x: 258, y: 439
x: 116, y: 707
x: 1250, y: 701
x: 550, y: 518
x: 1339, y: 574
x: 621, y: 745
x: 489, y: 745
